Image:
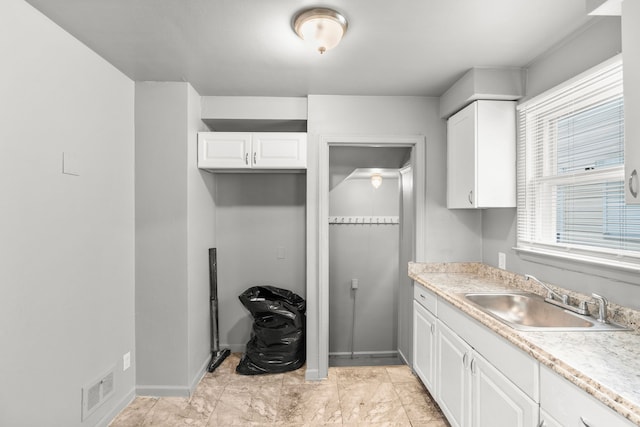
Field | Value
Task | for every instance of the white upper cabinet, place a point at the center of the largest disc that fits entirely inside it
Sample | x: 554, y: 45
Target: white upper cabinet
x: 238, y: 150
x: 631, y: 68
x: 481, y: 156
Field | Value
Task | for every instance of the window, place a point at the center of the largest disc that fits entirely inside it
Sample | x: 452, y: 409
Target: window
x: 571, y: 172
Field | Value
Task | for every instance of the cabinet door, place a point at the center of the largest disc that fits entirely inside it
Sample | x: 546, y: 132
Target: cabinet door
x: 285, y: 150
x: 495, y: 154
x: 424, y: 345
x: 461, y: 158
x: 224, y: 150
x: 453, y: 378
x: 572, y: 406
x: 497, y: 402
x: 631, y: 57
x: 547, y: 420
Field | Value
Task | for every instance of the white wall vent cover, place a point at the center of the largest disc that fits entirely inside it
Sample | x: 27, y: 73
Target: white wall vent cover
x: 97, y: 392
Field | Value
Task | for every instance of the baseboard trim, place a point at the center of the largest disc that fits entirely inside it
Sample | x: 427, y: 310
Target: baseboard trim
x: 162, y: 391
x: 201, y: 373
x: 113, y: 413
x: 404, y: 359
x: 312, y: 375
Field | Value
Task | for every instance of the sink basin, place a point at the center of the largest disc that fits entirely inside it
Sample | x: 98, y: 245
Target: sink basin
x: 529, y: 312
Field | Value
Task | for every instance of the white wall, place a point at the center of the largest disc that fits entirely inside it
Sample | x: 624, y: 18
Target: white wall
x: 592, y: 45
x: 174, y: 229
x: 369, y: 253
x: 255, y: 215
x: 67, y: 242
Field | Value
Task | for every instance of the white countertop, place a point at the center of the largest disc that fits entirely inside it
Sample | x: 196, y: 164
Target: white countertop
x: 604, y: 364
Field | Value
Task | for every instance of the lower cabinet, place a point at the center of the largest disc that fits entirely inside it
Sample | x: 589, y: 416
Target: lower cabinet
x: 481, y: 380
x: 472, y: 392
x: 567, y: 405
x: 547, y: 420
x: 424, y: 349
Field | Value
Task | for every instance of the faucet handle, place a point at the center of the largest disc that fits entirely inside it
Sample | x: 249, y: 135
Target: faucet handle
x: 602, y: 307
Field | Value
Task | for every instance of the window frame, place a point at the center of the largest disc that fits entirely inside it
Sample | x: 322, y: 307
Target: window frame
x: 531, y: 234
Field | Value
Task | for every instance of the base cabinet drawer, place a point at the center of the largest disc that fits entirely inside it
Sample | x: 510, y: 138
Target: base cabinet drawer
x: 571, y: 406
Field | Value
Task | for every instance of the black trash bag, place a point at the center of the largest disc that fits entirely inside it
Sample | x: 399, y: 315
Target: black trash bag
x: 277, y: 341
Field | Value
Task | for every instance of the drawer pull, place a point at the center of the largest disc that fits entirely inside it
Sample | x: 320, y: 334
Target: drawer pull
x: 584, y: 423
x: 422, y: 296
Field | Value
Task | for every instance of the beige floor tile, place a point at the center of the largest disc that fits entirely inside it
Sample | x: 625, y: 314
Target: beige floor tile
x: 359, y: 374
x: 310, y: 404
x: 436, y: 423
x: 371, y: 402
x: 401, y: 374
x: 418, y: 404
x: 248, y: 404
x: 133, y: 415
x: 175, y: 412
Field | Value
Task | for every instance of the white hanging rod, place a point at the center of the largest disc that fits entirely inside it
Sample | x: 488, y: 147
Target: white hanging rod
x: 364, y: 220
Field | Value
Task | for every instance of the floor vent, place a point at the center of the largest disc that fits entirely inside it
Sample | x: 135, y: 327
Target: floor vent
x: 97, y: 392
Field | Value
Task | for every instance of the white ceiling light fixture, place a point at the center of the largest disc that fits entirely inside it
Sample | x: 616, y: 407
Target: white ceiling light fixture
x: 320, y: 27
x: 376, y: 180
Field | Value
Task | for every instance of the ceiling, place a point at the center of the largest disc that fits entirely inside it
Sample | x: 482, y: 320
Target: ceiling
x: 247, y: 47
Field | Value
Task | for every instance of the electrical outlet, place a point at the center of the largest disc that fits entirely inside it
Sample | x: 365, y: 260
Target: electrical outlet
x: 354, y: 283
x: 502, y: 260
x: 126, y: 361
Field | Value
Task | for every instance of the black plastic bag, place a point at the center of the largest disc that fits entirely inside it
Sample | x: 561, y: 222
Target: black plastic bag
x: 277, y: 341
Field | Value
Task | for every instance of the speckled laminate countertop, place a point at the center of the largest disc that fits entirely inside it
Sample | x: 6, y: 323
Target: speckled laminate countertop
x: 604, y: 364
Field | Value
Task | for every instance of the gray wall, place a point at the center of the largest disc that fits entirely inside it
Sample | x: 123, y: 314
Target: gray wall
x: 450, y: 235
x: 255, y: 215
x: 67, y: 242
x: 590, y: 46
x: 174, y: 229
x: 369, y: 253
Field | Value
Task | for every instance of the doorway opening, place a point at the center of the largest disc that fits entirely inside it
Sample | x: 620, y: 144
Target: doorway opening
x: 371, y: 227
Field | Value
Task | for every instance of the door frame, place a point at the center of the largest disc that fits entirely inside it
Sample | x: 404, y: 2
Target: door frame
x: 318, y: 232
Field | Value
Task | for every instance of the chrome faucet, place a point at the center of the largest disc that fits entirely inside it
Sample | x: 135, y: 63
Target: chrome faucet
x: 550, y: 292
x: 602, y: 307
x: 561, y: 300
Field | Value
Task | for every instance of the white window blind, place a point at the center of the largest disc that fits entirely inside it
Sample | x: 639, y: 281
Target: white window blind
x: 571, y: 172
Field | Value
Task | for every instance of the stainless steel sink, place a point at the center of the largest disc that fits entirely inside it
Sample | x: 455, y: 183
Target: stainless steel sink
x: 529, y: 312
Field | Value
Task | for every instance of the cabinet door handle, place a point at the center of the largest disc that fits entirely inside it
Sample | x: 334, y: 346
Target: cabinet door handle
x: 470, y: 196
x: 464, y: 360
x: 633, y: 184
x: 433, y: 328
x: 254, y: 157
x: 584, y: 423
x: 542, y: 423
x: 246, y: 159
x: 473, y: 366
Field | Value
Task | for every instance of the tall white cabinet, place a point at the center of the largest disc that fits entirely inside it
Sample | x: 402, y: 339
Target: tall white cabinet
x: 481, y: 156
x: 631, y: 66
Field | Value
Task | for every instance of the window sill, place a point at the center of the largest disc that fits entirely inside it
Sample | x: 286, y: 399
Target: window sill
x: 561, y: 257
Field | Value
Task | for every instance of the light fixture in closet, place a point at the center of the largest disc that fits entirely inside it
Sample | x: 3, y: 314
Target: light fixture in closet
x: 376, y: 180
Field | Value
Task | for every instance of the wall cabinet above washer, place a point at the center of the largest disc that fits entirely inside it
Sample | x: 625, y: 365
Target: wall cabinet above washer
x: 241, y: 151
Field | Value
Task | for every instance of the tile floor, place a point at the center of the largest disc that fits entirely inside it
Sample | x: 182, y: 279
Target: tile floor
x: 351, y: 396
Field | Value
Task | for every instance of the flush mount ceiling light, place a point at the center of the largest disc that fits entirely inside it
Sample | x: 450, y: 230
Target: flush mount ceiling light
x: 376, y: 180
x: 320, y: 27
